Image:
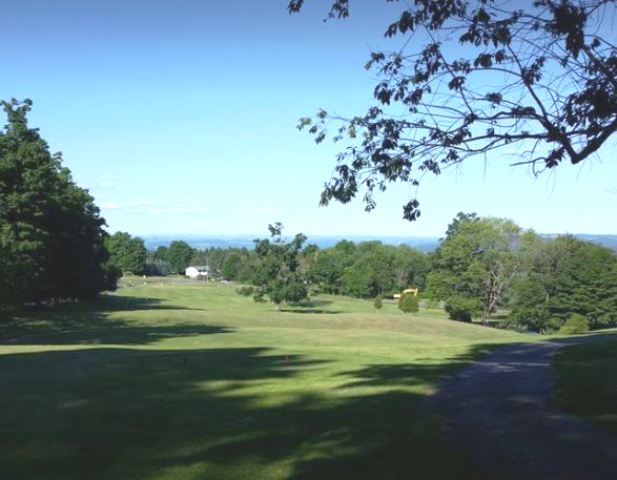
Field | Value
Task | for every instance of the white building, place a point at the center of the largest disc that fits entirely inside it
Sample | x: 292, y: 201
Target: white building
x: 195, y: 271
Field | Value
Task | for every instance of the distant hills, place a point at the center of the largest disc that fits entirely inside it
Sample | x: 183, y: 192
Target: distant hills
x: 426, y: 244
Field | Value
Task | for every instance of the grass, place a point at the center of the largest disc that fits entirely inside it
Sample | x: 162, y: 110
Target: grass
x: 587, y: 382
x: 165, y: 381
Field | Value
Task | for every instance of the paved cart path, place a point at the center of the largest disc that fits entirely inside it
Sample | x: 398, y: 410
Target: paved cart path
x: 499, y: 412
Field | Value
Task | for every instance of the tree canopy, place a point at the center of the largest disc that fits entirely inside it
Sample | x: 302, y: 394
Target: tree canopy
x: 487, y: 264
x: 477, y: 78
x: 565, y: 276
x: 179, y: 255
x: 126, y: 253
x: 277, y: 274
x: 51, y: 232
x: 474, y: 265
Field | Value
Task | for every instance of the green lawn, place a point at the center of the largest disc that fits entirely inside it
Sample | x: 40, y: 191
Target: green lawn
x: 171, y: 381
x: 587, y: 382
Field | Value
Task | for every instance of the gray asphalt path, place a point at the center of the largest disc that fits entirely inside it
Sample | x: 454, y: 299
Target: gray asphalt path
x: 499, y: 413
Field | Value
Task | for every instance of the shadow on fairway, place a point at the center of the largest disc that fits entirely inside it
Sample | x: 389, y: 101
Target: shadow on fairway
x: 311, y: 307
x: 310, y: 311
x: 91, y: 322
x: 587, y: 379
x: 608, y: 336
x: 122, y: 413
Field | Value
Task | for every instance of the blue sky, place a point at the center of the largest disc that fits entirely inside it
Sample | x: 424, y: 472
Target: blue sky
x: 179, y: 117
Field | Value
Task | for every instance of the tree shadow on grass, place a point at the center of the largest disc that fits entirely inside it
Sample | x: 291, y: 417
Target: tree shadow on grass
x: 311, y: 307
x: 587, y: 379
x: 311, y: 311
x: 593, y: 336
x: 213, y: 413
x: 92, y: 322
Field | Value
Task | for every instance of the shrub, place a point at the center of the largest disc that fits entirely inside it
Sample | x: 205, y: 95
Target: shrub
x: 574, y: 325
x: 378, y: 303
x: 408, y: 303
x: 463, y: 309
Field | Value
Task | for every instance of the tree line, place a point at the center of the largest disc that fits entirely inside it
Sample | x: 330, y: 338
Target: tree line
x: 487, y: 264
x: 362, y: 270
x: 484, y: 268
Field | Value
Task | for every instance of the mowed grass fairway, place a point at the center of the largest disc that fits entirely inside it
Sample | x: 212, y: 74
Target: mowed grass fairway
x: 196, y: 382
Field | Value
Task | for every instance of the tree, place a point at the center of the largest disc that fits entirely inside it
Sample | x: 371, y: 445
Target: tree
x: 560, y: 277
x: 277, y: 274
x: 463, y: 309
x: 475, y: 265
x: 555, y: 100
x: 528, y: 305
x: 51, y: 232
x: 408, y: 303
x: 410, y: 267
x: 231, y: 266
x: 179, y: 256
x: 368, y: 269
x: 161, y: 253
x: 378, y: 303
x: 358, y: 280
x: 574, y: 325
x: 126, y: 253
x: 325, y: 271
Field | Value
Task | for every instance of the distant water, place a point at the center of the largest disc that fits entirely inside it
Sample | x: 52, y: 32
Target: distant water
x: 201, y: 242
x: 426, y: 244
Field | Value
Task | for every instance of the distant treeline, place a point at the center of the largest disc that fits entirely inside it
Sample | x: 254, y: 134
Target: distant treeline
x: 363, y: 270
x: 484, y: 267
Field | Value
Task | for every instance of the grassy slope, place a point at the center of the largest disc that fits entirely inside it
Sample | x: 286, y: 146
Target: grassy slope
x: 587, y: 382
x: 184, y: 382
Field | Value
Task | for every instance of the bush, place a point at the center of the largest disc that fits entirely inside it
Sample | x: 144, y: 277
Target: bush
x: 463, y: 309
x: 574, y: 325
x: 408, y: 303
x: 378, y: 303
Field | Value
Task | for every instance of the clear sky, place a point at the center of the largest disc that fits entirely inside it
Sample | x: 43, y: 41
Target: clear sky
x: 179, y: 117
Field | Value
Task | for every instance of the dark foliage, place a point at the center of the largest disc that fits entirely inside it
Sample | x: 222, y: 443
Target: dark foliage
x: 408, y: 303
x: 179, y: 256
x: 51, y: 235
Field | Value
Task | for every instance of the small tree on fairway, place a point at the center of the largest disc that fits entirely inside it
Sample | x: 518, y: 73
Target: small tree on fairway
x: 408, y: 303
x: 277, y: 274
x: 378, y: 303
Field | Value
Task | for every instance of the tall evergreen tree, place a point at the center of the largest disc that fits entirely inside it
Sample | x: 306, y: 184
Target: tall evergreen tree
x: 51, y: 235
